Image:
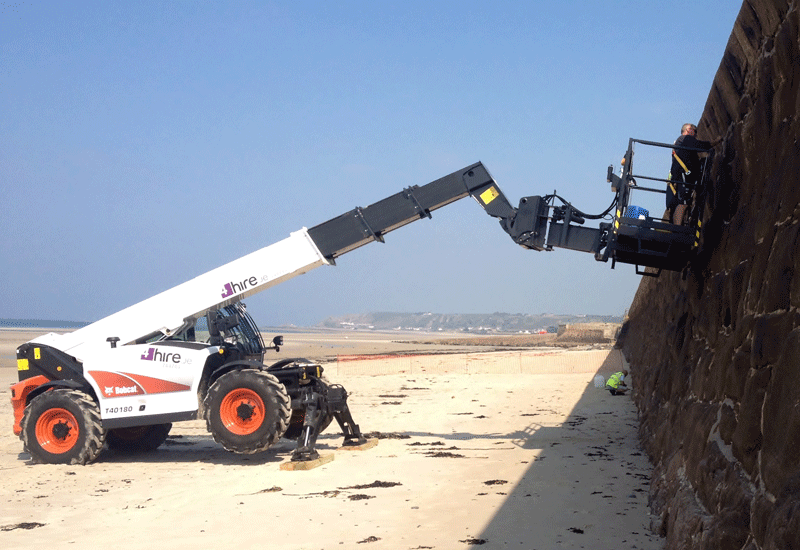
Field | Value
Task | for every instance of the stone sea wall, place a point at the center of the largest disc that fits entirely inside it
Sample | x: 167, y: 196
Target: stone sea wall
x: 715, y: 351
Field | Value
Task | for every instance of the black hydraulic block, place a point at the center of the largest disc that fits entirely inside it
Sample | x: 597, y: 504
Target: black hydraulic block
x: 41, y: 359
x: 528, y: 226
x: 484, y: 189
x: 574, y: 237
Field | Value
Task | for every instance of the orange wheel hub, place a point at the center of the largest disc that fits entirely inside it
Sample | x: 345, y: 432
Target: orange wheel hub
x: 57, y: 431
x: 242, y: 411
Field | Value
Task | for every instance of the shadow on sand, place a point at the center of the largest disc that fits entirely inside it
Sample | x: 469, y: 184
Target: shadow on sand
x: 595, y: 456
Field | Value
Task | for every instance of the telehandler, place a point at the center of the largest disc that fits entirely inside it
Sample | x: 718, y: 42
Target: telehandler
x: 193, y: 352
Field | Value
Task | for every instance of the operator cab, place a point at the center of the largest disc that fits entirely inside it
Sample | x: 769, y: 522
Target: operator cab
x: 230, y: 326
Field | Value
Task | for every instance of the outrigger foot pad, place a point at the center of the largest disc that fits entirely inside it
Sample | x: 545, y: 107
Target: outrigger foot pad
x: 304, y: 455
x: 355, y: 442
x: 354, y: 446
x: 307, y: 464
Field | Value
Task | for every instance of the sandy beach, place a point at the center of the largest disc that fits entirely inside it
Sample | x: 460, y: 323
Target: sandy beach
x: 476, y: 447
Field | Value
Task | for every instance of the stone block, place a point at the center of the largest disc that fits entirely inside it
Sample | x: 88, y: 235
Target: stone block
x: 761, y: 511
x: 783, y: 529
x: 769, y: 333
x: 727, y: 423
x: 736, y: 375
x: 781, y: 448
x: 747, y: 439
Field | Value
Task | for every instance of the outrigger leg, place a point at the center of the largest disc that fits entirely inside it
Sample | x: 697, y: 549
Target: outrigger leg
x: 331, y: 400
x: 337, y: 398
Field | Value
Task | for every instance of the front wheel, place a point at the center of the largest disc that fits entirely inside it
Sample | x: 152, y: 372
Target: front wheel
x: 247, y: 410
x: 63, y: 426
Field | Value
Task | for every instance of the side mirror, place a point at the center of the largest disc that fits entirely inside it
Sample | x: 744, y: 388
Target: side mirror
x: 277, y: 342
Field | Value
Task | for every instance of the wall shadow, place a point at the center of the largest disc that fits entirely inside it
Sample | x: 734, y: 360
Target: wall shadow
x: 588, y: 480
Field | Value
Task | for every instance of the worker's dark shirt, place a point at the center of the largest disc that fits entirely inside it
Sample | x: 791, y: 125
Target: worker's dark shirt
x: 690, y: 158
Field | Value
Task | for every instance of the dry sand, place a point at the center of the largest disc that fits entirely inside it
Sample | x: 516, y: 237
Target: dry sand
x: 505, y: 449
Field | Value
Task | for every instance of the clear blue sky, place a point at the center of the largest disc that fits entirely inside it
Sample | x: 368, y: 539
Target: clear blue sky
x: 144, y: 143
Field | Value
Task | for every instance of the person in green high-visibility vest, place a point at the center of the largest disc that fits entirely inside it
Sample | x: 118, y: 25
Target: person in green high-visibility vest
x: 616, y: 383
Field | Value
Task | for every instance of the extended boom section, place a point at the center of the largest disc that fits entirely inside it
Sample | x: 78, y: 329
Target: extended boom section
x: 364, y: 225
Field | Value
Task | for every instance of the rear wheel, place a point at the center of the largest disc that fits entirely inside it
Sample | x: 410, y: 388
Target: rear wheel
x: 138, y: 439
x: 247, y: 410
x: 63, y: 427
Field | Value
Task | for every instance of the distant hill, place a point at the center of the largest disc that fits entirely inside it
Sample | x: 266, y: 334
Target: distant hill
x: 476, y: 323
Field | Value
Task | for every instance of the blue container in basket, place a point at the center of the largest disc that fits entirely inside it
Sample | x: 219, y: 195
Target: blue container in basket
x: 636, y: 212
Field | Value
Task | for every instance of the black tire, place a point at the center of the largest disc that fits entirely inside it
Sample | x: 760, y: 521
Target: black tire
x: 63, y: 426
x: 138, y: 439
x: 247, y: 410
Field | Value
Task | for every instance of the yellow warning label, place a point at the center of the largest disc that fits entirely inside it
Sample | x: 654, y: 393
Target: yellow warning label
x: 37, y: 353
x: 489, y: 195
x: 22, y: 364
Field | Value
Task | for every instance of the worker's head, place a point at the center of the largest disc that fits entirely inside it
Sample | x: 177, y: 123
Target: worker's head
x: 625, y: 373
x: 688, y: 129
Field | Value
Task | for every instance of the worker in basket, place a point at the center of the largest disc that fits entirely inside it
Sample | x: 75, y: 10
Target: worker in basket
x: 684, y: 173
